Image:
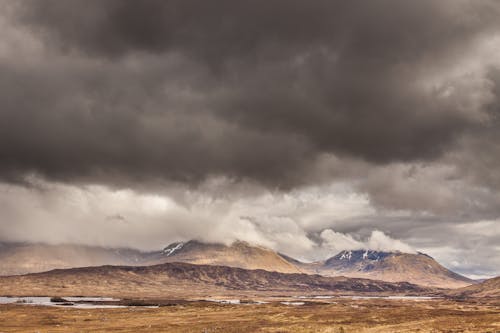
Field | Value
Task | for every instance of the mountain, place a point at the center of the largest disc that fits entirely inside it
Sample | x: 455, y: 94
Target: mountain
x: 21, y: 258
x: 386, y: 266
x: 390, y: 266
x: 238, y: 254
x: 17, y: 258
x: 187, y: 280
x: 488, y: 288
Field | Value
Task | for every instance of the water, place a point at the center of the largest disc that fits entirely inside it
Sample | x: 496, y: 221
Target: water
x: 224, y: 301
x: 235, y: 301
x: 94, y: 302
x: 411, y: 298
x: 46, y: 301
x: 293, y: 303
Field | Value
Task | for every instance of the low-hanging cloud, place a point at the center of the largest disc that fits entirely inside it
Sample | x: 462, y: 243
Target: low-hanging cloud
x: 311, y: 224
x: 377, y: 241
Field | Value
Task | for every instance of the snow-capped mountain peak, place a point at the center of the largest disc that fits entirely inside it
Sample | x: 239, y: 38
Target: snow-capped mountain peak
x: 361, y: 255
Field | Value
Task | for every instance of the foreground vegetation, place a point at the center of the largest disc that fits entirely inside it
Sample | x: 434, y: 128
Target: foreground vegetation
x: 341, y: 315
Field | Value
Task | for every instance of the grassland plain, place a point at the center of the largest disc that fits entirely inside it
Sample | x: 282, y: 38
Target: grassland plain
x: 342, y: 315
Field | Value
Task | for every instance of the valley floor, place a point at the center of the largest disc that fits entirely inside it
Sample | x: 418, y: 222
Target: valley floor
x: 344, y: 315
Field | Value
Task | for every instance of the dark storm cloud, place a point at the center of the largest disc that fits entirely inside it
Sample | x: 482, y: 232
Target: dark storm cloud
x: 108, y: 125
x: 229, y: 29
x: 182, y: 90
x: 479, y: 154
x: 461, y: 185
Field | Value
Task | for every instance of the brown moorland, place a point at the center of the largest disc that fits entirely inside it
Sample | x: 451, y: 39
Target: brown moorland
x: 188, y: 281
x: 344, y: 315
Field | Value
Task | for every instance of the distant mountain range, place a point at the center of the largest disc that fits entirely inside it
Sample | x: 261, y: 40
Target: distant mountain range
x: 385, y: 266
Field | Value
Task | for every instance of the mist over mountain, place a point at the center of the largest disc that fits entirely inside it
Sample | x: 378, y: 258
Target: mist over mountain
x: 395, y: 266
x: 23, y: 258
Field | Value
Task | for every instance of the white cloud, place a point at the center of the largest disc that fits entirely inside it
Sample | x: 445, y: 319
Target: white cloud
x: 381, y: 242
x: 377, y: 241
x: 338, y: 241
x: 309, y: 224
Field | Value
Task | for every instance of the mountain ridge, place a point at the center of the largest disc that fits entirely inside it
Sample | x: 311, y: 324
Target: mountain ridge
x: 188, y: 279
x: 238, y: 254
x: 378, y: 265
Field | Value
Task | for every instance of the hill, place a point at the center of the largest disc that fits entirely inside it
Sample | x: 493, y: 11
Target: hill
x: 188, y: 280
x: 488, y: 288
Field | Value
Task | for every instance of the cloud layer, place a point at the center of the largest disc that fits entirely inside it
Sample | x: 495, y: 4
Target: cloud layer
x: 182, y: 91
x: 378, y: 241
x: 291, y: 121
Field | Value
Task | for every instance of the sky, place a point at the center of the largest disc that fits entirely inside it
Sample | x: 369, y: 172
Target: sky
x: 306, y: 126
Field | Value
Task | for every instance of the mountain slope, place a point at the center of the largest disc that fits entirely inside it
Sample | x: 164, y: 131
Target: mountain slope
x: 21, y: 258
x: 238, y: 254
x: 488, y: 288
x: 393, y: 266
x: 181, y: 279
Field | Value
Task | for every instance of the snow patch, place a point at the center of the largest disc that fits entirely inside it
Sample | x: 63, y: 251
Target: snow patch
x: 171, y: 249
x: 346, y: 255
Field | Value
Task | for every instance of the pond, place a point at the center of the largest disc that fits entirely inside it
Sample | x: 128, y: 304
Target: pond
x: 73, y: 302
